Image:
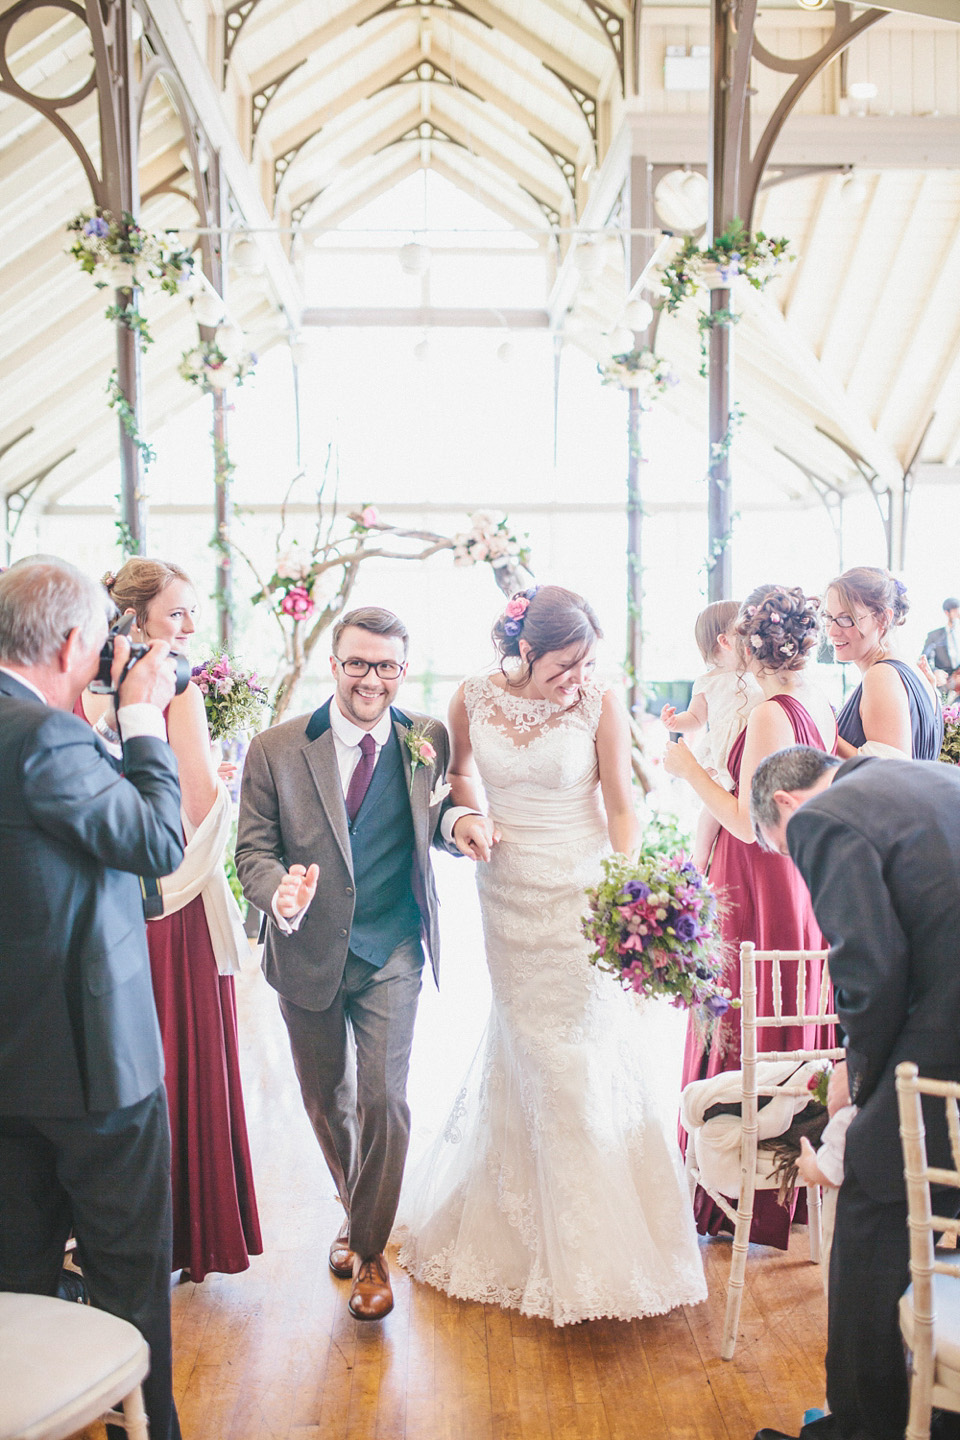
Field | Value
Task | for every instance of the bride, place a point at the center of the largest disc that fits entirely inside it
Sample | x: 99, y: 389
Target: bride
x: 553, y: 1189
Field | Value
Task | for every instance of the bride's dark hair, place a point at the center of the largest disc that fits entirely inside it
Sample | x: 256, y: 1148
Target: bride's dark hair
x: 554, y: 619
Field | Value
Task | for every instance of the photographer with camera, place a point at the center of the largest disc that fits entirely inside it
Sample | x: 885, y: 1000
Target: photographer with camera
x: 84, y: 1138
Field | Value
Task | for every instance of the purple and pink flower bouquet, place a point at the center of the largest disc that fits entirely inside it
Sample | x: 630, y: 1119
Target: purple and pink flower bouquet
x: 653, y: 924
x: 950, y: 749
x: 233, y: 698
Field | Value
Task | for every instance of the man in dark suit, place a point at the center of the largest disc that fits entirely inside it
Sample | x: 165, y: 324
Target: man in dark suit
x: 344, y: 805
x: 878, y: 843
x: 942, y: 647
x: 84, y: 1135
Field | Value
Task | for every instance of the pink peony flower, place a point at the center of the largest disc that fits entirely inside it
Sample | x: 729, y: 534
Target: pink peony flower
x: 427, y: 752
x: 369, y: 515
x: 517, y: 608
x: 297, y: 603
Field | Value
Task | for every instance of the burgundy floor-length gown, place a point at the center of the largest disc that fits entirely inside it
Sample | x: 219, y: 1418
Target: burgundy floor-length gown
x: 216, y: 1226
x: 766, y: 901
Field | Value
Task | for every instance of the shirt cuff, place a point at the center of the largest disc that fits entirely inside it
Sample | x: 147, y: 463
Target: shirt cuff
x: 141, y: 719
x: 450, y: 818
x: 288, y: 924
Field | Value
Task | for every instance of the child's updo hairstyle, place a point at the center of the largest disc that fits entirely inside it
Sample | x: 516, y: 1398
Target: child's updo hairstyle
x: 867, y: 587
x: 712, y: 622
x: 138, y: 583
x: 777, y: 625
x: 548, y: 618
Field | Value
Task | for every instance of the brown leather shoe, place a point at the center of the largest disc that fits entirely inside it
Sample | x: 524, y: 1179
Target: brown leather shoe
x: 341, y: 1256
x: 371, y: 1297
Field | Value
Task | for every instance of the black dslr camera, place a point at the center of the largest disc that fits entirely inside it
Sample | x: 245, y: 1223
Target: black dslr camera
x: 101, y: 683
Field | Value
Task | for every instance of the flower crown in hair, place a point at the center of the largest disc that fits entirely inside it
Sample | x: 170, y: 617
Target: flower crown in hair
x: 516, y: 611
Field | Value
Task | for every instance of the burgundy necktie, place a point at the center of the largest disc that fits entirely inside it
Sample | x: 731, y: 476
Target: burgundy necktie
x: 360, y: 779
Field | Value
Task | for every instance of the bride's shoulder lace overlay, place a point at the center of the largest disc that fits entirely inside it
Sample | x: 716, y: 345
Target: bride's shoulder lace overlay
x: 488, y: 702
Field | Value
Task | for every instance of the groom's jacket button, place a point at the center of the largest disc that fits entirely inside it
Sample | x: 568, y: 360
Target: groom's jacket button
x: 349, y: 889
x: 343, y: 932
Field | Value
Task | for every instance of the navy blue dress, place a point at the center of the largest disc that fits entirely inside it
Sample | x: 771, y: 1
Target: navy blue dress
x: 926, y: 715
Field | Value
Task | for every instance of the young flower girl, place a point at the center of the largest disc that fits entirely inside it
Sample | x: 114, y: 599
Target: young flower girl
x: 721, y: 702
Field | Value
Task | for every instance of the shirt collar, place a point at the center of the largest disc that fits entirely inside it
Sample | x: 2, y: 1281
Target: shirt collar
x: 15, y: 675
x: 349, y: 734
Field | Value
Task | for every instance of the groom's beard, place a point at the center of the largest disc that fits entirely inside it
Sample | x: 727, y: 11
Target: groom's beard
x: 365, y: 709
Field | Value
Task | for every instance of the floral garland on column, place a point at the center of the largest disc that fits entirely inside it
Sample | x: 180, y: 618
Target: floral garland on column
x: 642, y: 370
x: 122, y: 255
x: 695, y: 270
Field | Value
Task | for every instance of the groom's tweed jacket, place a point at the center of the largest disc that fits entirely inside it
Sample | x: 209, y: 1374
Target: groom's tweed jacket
x: 292, y: 812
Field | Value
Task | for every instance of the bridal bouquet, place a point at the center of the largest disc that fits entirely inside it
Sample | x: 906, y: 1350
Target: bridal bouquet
x: 653, y: 924
x: 234, y: 700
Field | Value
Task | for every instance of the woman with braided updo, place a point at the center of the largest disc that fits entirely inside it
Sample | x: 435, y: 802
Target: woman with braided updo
x: 894, y: 704
x: 766, y: 900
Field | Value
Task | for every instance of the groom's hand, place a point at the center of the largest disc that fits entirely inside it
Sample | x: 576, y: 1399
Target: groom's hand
x: 475, y: 836
x: 296, y: 889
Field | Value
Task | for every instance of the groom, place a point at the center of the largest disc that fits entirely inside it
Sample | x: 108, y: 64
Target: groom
x: 338, y: 811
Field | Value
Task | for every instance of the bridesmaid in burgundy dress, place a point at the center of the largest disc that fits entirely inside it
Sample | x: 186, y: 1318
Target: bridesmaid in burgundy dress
x: 215, y: 1222
x: 765, y: 899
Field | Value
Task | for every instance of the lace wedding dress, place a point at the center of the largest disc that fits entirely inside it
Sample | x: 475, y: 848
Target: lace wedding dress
x: 554, y: 1188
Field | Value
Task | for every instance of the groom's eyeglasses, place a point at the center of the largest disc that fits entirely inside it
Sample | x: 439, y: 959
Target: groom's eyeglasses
x: 386, y: 669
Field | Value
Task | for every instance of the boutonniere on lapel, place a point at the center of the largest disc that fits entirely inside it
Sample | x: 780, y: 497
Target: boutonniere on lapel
x: 421, y: 750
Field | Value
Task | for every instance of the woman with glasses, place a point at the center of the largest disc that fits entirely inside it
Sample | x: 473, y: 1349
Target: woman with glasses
x: 895, y: 704
x: 766, y: 900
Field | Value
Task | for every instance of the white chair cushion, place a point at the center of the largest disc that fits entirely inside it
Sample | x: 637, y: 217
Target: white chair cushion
x: 58, y: 1359
x: 946, y: 1300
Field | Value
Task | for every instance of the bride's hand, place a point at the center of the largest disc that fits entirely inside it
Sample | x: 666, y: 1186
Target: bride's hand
x: 475, y: 836
x: 679, y: 760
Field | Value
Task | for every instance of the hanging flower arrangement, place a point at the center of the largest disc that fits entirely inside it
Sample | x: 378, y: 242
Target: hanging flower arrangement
x: 121, y: 255
x: 641, y: 370
x: 211, y: 369
x: 757, y: 258
x: 489, y: 541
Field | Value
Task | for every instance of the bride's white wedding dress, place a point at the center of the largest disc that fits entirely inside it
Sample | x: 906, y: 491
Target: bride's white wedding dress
x: 554, y: 1188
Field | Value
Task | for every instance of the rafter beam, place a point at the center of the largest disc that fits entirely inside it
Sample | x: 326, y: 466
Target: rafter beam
x: 479, y: 148
x: 330, y: 219
x: 417, y: 317
x: 311, y: 44
x: 764, y: 322
x: 555, y: 60
x: 322, y: 115
x: 476, y: 184
x: 872, y: 142
x: 205, y: 98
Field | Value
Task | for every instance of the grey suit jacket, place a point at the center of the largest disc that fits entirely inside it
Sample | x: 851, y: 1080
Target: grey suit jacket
x: 935, y: 649
x: 78, y: 1024
x: 292, y: 812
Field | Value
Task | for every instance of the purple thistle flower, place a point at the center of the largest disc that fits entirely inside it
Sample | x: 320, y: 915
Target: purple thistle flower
x: 97, y: 226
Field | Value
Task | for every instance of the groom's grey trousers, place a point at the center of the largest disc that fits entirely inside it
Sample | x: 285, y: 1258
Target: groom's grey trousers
x: 352, y: 1061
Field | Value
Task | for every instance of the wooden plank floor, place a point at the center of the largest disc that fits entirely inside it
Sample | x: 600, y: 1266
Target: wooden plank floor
x: 275, y: 1353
